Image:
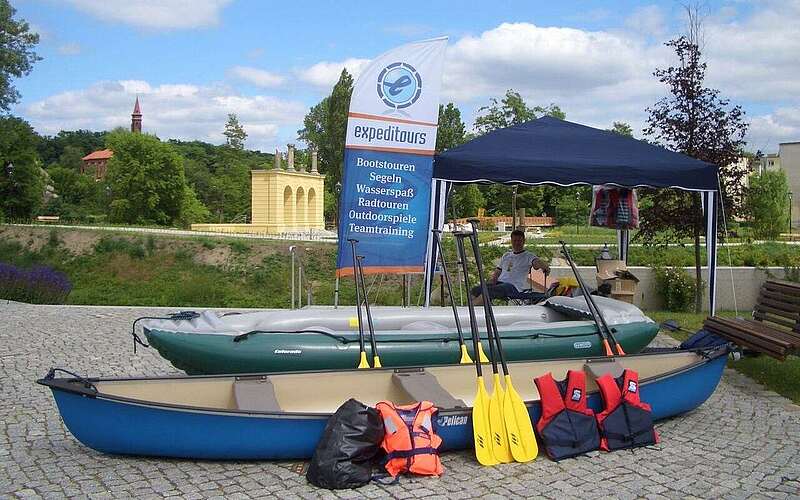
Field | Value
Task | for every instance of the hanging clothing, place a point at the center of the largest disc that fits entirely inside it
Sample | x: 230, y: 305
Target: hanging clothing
x: 614, y: 207
x: 626, y: 421
x: 410, y: 438
x: 567, y: 426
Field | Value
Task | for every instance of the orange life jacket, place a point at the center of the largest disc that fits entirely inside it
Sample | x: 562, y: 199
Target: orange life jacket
x: 410, y: 440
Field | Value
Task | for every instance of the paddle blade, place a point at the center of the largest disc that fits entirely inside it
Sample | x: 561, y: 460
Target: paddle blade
x: 465, y: 359
x: 480, y: 427
x: 363, y: 362
x: 500, y: 447
x: 519, y: 427
x: 481, y: 355
x: 376, y: 362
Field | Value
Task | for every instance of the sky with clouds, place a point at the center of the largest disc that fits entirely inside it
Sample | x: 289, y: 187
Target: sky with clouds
x: 191, y: 62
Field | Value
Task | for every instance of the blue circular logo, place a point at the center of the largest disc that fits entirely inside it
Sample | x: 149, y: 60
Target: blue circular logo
x: 399, y: 85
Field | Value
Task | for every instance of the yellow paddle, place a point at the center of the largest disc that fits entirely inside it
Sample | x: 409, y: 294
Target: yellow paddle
x: 437, y: 247
x: 376, y: 360
x: 500, y: 444
x: 362, y: 360
x: 517, y: 420
x: 481, y: 432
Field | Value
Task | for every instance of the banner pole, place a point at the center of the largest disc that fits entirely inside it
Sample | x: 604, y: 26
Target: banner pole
x: 336, y: 294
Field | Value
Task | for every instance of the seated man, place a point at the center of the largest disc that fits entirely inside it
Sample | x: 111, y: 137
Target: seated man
x: 511, y: 276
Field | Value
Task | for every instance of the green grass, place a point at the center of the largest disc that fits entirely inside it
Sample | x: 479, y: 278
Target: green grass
x: 782, y: 377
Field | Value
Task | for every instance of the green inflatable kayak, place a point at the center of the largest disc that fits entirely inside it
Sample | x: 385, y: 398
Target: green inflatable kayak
x: 326, y: 338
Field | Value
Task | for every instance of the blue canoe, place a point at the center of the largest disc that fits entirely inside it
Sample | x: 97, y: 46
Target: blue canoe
x: 282, y: 415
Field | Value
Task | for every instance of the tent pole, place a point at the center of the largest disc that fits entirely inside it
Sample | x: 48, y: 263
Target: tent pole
x: 711, y: 206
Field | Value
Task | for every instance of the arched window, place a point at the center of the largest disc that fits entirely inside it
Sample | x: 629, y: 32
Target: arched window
x: 300, y: 212
x: 312, y: 206
x: 288, y: 207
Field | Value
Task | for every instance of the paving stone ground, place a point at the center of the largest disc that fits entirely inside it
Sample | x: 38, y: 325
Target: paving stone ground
x: 744, y: 442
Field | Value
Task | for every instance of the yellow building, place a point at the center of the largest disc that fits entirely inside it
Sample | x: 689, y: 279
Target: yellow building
x: 282, y: 201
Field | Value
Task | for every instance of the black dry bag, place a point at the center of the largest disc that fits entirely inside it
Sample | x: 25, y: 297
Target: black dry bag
x: 349, y: 446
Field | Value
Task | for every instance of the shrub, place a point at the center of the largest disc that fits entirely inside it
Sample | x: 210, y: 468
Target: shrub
x: 676, y: 287
x: 208, y: 244
x: 151, y: 245
x: 52, y: 238
x: 108, y: 244
x: 239, y: 246
x: 37, y: 285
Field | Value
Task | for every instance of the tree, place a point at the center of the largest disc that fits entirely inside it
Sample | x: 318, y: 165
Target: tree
x: 336, y: 125
x: 466, y: 200
x: 145, y: 180
x: 16, y: 53
x: 511, y: 110
x: 573, y: 206
x: 451, y: 131
x: 695, y: 121
x: 21, y: 177
x: 508, y: 111
x: 52, y: 149
x: 325, y: 127
x: 192, y: 210
x: 622, y: 128
x: 71, y: 186
x: 767, y: 202
x: 72, y: 158
x: 234, y: 132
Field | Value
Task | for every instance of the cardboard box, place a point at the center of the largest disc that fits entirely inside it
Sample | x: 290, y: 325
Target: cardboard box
x: 624, y: 297
x: 623, y: 283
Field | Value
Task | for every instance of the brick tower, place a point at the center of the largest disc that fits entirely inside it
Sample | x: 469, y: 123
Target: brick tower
x: 136, y: 118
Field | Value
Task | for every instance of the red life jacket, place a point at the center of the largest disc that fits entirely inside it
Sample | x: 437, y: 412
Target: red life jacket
x: 567, y: 426
x: 410, y: 440
x: 625, y: 422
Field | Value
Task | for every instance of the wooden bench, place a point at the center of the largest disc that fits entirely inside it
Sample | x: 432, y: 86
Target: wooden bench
x: 775, y: 327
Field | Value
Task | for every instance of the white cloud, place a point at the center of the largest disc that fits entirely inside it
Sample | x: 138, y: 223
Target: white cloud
x: 647, y: 21
x: 757, y: 57
x: 325, y: 74
x: 180, y: 14
x: 544, y: 61
x: 768, y: 130
x: 175, y: 111
x: 257, y: 77
x: 69, y: 49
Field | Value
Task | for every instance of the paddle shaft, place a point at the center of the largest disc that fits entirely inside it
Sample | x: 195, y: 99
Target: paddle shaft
x: 491, y: 324
x: 358, y: 296
x: 438, y: 247
x: 366, y: 307
x: 596, y: 314
x: 473, y: 321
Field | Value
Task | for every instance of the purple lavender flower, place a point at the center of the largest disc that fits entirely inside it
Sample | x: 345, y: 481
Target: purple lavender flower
x: 37, y: 285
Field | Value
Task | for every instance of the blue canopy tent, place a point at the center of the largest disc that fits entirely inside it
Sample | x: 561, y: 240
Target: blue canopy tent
x: 558, y: 152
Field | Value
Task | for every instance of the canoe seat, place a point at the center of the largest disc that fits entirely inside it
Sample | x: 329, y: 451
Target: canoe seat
x: 255, y: 394
x: 598, y: 368
x: 423, y: 386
